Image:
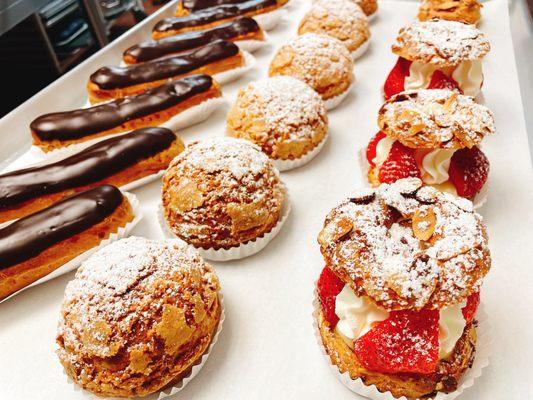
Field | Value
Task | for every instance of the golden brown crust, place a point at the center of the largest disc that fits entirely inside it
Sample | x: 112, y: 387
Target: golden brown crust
x: 141, y: 169
x: 405, y: 246
x: 136, y: 318
x: 154, y: 119
x: 412, y: 386
x: 282, y: 115
x: 341, y: 19
x: 468, y: 11
x: 441, y: 43
x: 369, y: 7
x: 322, y: 62
x: 23, y: 274
x: 222, y: 192
x: 435, y: 119
x: 97, y: 95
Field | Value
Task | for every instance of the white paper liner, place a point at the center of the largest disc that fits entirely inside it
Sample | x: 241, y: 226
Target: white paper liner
x: 479, y: 200
x: 194, y: 115
x: 482, y: 354
x: 252, y: 45
x: 337, y: 100
x: 236, y: 73
x: 172, y: 389
x: 75, y: 262
x: 287, y: 165
x: 361, y: 49
x: 234, y: 253
x: 270, y: 20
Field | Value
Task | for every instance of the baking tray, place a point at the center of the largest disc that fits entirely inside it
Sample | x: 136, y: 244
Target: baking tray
x: 267, y: 349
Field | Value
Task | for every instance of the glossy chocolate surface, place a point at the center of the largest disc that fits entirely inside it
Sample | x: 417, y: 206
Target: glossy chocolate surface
x: 29, y: 236
x: 92, y: 164
x: 76, y: 124
x: 151, y: 50
x: 210, y: 15
x: 119, y: 77
x: 193, y: 5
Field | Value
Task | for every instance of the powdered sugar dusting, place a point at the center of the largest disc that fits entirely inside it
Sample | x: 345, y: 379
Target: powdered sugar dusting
x: 373, y: 242
x: 441, y: 42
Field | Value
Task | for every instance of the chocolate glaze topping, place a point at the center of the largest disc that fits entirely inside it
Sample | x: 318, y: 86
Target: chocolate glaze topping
x: 120, y: 77
x: 212, y: 14
x: 151, y: 50
x: 91, y: 165
x: 29, y: 236
x: 194, y: 5
x: 76, y: 124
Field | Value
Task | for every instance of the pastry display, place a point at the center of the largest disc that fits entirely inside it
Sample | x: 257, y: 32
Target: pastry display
x: 341, y: 19
x: 137, y: 316
x: 221, y: 193
x: 321, y: 61
x: 190, y: 6
x: 433, y: 135
x: 399, y: 293
x: 467, y: 11
x: 116, y: 161
x: 211, y: 17
x: 438, y: 54
x: 34, y: 246
x: 282, y: 115
x: 155, y: 106
x: 114, y: 82
x: 239, y: 31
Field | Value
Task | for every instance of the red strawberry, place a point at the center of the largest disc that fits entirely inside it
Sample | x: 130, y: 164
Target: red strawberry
x: 328, y: 287
x: 472, y: 303
x: 439, y: 80
x: 469, y: 170
x: 400, y: 163
x: 395, y: 81
x: 371, y: 148
x: 408, y: 341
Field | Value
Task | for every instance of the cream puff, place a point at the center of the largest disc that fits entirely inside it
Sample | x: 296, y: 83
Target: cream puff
x: 282, y: 115
x: 137, y: 317
x: 434, y: 135
x: 321, y: 61
x: 398, y: 297
x: 438, y: 54
x: 341, y: 19
x: 467, y: 11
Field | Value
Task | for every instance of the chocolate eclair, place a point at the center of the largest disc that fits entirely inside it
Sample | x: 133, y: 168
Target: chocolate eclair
x: 238, y: 30
x: 34, y: 246
x: 210, y: 17
x: 114, y: 82
x: 190, y: 6
x: 150, y: 108
x: 116, y: 161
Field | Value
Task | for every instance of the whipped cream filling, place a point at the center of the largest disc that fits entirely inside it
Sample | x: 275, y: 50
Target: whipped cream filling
x: 357, y: 315
x: 433, y: 164
x: 467, y: 74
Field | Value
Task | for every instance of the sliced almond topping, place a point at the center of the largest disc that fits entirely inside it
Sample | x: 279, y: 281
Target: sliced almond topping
x: 450, y: 102
x: 423, y: 223
x: 335, y: 231
x: 186, y: 197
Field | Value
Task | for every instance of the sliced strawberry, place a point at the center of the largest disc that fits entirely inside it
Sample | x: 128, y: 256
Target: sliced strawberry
x: 408, y: 341
x: 439, y: 80
x: 469, y: 170
x: 472, y: 304
x: 400, y: 163
x: 396, y: 79
x: 328, y: 287
x: 371, y: 148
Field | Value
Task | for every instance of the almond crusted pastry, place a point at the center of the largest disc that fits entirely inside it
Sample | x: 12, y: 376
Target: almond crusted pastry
x: 322, y: 62
x: 441, y: 43
x: 282, y: 115
x: 137, y: 316
x: 406, y: 246
x: 222, y: 192
x: 435, y: 119
x: 467, y: 11
x: 341, y: 19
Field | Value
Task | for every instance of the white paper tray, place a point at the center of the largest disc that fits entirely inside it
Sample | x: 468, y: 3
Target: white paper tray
x: 268, y: 349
